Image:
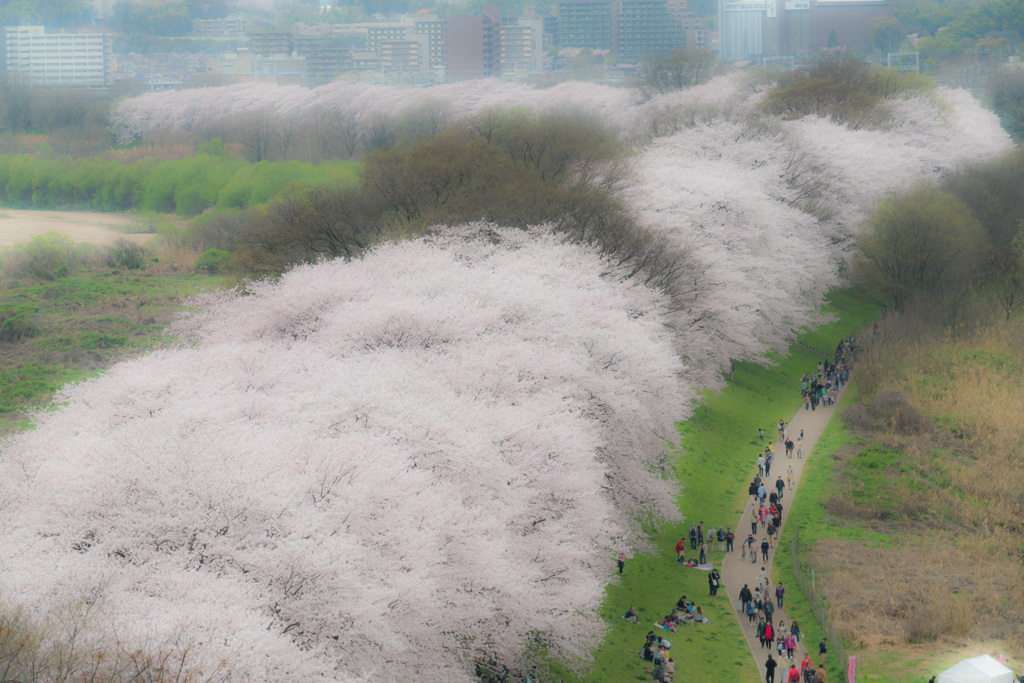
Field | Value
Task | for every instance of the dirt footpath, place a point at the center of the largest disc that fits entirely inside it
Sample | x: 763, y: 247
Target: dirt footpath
x: 18, y: 226
x: 737, y: 568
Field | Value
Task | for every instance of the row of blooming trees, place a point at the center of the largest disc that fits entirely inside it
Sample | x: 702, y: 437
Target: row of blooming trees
x: 377, y: 467
x: 370, y: 469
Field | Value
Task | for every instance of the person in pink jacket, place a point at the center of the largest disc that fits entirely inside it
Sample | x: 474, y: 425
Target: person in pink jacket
x: 790, y: 646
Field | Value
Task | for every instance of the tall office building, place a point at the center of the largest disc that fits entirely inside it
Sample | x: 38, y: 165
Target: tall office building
x: 587, y: 23
x: 473, y: 45
x: 632, y: 29
x: 435, y: 31
x: 52, y: 59
x: 648, y: 27
x: 850, y: 19
x: 741, y: 28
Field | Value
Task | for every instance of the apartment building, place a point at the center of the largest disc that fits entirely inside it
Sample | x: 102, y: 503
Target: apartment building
x: 587, y: 23
x: 58, y: 59
x: 648, y: 27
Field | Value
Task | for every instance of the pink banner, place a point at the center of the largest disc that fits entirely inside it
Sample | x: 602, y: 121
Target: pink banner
x: 851, y: 674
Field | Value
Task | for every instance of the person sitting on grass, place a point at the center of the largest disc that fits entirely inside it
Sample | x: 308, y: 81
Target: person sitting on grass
x: 630, y: 615
x: 699, y: 618
x: 666, y: 625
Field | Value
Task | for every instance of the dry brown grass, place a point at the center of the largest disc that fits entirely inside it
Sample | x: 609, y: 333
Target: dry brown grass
x: 173, y: 259
x: 70, y: 648
x: 955, y: 567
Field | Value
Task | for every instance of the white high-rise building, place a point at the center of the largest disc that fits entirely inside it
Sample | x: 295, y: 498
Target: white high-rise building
x: 57, y: 60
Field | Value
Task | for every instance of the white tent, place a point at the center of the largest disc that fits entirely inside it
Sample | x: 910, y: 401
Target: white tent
x: 981, y: 669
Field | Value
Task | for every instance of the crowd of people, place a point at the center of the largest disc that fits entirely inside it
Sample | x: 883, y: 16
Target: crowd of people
x: 785, y: 649
x: 820, y: 387
x: 823, y: 385
x: 702, y: 544
x: 656, y: 647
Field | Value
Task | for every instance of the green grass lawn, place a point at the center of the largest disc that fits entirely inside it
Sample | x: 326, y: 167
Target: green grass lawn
x: 74, y: 326
x: 713, y: 466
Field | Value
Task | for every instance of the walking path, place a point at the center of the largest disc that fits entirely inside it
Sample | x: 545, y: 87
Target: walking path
x: 737, y: 569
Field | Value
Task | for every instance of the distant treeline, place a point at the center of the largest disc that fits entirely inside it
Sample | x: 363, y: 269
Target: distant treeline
x: 183, y: 186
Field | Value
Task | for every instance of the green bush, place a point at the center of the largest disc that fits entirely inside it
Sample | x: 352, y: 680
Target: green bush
x: 16, y: 325
x: 212, y: 261
x: 49, y: 256
x: 127, y: 254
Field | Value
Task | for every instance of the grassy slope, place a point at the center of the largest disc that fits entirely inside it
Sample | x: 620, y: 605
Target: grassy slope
x: 907, y: 663
x: 714, y: 466
x: 85, y: 323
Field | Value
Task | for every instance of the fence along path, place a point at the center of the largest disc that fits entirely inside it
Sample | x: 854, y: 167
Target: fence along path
x: 737, y: 569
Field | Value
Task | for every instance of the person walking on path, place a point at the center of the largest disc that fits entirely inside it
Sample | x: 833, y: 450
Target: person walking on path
x: 789, y: 477
x: 769, y: 669
x: 622, y: 561
x: 765, y: 547
x: 780, y: 593
x: 745, y: 597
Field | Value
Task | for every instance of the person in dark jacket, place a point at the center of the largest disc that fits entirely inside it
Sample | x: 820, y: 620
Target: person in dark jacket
x: 769, y: 669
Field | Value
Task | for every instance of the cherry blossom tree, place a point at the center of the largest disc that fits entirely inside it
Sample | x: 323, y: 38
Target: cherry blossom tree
x: 372, y: 469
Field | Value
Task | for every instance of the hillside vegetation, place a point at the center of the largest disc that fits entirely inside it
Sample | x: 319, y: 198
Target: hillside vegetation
x: 915, y: 523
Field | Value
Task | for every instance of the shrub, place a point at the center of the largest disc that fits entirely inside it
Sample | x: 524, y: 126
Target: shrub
x: 217, y: 229
x: 50, y: 256
x: 212, y: 261
x: 894, y: 409
x: 127, y: 254
x: 16, y: 326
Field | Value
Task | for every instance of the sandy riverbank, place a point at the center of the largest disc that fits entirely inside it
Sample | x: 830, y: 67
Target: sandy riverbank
x: 18, y: 226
